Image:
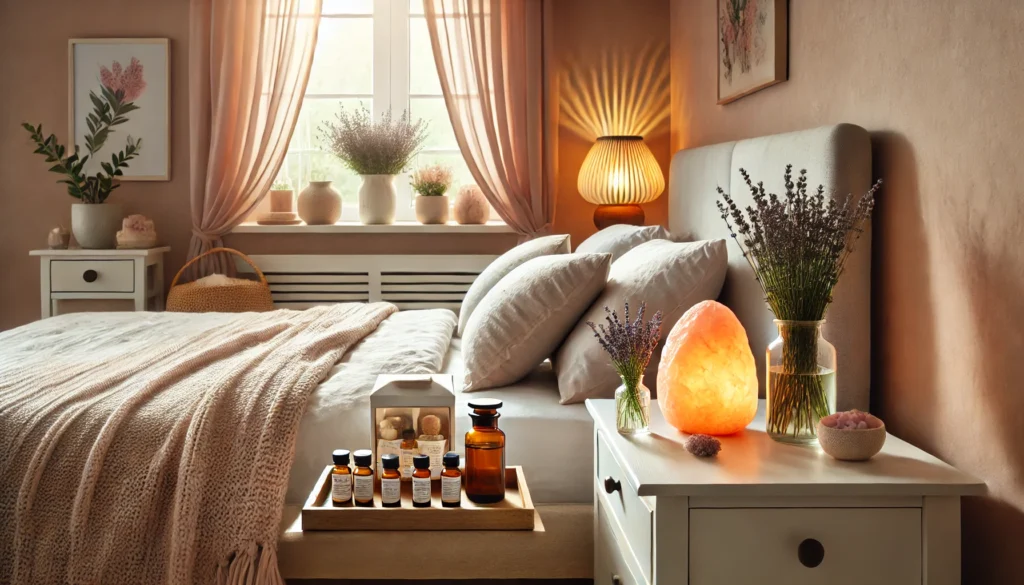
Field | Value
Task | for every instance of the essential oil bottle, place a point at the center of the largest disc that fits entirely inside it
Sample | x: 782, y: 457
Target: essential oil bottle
x: 421, y: 481
x: 410, y: 448
x: 451, y: 481
x: 362, y: 478
x: 485, y: 453
x: 390, y: 482
x: 341, y: 478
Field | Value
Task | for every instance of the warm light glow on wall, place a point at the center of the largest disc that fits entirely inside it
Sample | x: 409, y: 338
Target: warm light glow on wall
x: 620, y: 170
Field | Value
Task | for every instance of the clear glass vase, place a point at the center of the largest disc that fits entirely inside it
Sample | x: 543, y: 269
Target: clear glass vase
x: 632, y: 408
x: 801, y: 385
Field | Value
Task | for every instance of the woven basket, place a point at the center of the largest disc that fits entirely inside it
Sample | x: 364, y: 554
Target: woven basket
x: 240, y: 296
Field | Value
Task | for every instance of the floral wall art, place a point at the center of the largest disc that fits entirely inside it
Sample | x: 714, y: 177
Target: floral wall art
x: 752, y: 40
x: 137, y: 71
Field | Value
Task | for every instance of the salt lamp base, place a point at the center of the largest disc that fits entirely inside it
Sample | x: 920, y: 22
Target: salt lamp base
x: 609, y: 215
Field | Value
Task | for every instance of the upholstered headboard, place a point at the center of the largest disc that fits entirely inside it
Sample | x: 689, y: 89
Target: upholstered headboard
x: 838, y: 157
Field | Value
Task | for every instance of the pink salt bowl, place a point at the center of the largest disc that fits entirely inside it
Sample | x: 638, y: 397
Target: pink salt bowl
x: 851, y: 435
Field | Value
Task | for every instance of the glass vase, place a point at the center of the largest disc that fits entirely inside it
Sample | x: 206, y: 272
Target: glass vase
x: 801, y: 384
x: 632, y: 408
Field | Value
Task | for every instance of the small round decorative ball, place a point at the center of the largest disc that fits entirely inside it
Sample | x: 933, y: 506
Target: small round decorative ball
x: 703, y: 445
x: 471, y: 206
x: 707, y: 380
x: 851, y: 435
x: 430, y: 425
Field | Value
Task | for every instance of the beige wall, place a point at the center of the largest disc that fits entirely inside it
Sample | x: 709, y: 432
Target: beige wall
x: 939, y: 85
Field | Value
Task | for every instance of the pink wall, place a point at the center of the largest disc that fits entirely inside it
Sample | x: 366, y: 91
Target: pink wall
x: 938, y: 83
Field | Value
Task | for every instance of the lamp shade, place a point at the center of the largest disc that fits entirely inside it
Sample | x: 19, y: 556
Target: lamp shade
x: 707, y: 380
x: 620, y: 170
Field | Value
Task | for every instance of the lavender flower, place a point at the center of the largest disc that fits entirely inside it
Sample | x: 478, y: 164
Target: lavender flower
x: 384, y: 147
x: 630, y: 344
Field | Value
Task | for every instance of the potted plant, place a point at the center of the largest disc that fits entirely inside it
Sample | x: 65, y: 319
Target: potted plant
x: 377, y: 151
x: 282, y: 197
x: 94, y: 225
x: 797, y: 245
x: 430, y: 184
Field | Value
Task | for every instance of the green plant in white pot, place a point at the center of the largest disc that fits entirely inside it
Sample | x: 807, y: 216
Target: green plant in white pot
x: 430, y: 184
x: 377, y: 151
x: 93, y: 222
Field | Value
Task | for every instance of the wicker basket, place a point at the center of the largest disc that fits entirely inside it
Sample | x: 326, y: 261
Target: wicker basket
x: 240, y: 296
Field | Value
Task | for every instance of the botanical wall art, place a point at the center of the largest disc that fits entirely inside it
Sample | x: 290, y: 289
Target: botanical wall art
x: 752, y: 41
x: 136, y: 72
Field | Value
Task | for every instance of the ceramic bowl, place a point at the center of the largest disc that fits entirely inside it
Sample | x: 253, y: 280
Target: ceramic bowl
x: 851, y: 444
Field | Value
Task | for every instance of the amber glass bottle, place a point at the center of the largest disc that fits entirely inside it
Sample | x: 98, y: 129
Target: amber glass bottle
x: 485, y: 453
x: 390, y: 482
x: 421, y: 481
x: 341, y: 478
x: 451, y: 481
x: 409, y: 448
x: 362, y: 478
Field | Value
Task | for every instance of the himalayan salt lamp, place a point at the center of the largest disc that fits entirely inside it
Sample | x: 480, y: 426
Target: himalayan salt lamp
x: 707, y: 381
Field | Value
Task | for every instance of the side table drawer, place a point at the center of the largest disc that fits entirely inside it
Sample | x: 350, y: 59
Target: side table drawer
x: 623, y: 502
x: 611, y: 566
x: 92, y: 276
x: 881, y: 546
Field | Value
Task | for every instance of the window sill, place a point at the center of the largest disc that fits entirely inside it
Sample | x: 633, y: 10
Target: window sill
x: 399, y: 227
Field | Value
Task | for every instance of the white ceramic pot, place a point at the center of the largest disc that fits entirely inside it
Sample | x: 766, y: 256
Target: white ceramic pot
x: 377, y: 199
x: 319, y: 204
x: 432, y: 209
x: 95, y: 225
x: 471, y: 206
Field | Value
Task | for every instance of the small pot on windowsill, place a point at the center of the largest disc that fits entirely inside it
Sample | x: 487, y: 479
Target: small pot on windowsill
x: 432, y: 209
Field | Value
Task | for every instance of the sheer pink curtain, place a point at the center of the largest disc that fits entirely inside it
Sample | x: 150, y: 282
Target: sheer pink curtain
x: 249, y: 62
x: 492, y: 57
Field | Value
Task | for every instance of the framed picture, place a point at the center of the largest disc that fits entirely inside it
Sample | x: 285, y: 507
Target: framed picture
x: 135, y: 72
x: 752, y: 46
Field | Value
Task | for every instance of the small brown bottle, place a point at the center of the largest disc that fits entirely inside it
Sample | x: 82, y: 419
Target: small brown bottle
x: 421, y: 481
x: 341, y: 478
x: 451, y: 481
x: 390, y: 482
x: 362, y: 478
x: 485, y: 453
x: 410, y: 448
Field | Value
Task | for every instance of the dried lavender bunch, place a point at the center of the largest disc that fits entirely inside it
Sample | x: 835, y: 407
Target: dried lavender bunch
x: 384, y: 147
x: 630, y: 344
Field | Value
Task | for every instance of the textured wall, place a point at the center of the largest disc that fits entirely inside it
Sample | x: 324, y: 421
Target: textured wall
x: 938, y: 83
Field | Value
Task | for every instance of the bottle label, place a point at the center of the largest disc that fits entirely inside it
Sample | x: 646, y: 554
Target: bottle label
x: 390, y: 490
x: 364, y: 487
x: 341, y: 487
x: 420, y: 490
x: 405, y: 462
x: 435, y: 450
x: 451, y: 489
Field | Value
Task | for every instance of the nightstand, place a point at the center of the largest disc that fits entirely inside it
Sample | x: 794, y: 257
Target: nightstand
x: 765, y: 512
x: 136, y: 275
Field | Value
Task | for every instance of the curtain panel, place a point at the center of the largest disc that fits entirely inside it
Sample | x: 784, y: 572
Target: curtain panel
x: 249, y: 62
x: 494, y: 60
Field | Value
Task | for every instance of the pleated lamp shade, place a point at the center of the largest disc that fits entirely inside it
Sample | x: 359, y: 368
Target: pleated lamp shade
x: 619, y: 174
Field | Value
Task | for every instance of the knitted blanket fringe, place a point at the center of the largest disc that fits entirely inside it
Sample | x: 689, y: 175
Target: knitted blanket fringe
x: 134, y: 451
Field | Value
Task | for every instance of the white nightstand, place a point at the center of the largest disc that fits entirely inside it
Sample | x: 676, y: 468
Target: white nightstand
x: 763, y: 512
x: 136, y: 275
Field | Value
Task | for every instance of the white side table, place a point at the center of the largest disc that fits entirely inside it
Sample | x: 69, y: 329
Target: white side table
x: 764, y: 512
x: 136, y: 275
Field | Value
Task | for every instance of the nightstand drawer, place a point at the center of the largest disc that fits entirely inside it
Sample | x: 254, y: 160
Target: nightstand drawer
x: 805, y: 546
x: 622, y: 501
x: 92, y: 276
x: 611, y: 566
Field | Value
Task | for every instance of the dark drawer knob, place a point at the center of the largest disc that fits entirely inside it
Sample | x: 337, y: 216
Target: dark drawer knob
x: 811, y: 553
x: 612, y: 485
x: 616, y: 580
x: 90, y: 276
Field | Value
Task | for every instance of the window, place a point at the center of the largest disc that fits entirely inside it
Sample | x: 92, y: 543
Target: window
x: 374, y: 53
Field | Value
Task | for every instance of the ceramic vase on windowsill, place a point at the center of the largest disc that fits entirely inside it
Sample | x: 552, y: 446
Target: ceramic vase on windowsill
x: 432, y: 209
x: 377, y: 199
x: 95, y: 225
x: 319, y: 204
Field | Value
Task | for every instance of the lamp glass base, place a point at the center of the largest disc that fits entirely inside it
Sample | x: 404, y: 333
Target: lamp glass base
x: 608, y: 215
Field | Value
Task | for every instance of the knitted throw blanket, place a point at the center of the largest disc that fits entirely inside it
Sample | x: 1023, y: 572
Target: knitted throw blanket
x: 167, y: 463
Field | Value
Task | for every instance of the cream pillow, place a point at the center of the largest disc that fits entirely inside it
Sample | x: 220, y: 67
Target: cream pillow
x: 525, y: 316
x: 669, y: 276
x: 619, y: 239
x: 545, y: 246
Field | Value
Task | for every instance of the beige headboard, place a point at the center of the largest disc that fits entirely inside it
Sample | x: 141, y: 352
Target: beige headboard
x: 838, y: 157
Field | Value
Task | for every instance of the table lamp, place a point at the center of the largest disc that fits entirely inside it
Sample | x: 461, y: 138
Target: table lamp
x: 619, y: 174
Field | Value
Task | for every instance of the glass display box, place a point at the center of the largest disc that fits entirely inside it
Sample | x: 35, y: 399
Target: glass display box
x: 412, y: 414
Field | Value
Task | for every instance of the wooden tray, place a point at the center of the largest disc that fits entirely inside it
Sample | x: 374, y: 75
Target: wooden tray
x: 515, y: 512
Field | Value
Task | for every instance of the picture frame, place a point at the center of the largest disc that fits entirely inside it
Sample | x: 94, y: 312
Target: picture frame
x: 140, y: 66
x: 753, y: 43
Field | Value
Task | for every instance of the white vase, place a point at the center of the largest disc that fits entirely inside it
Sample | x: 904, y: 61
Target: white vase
x: 377, y: 199
x: 432, y: 209
x: 95, y: 225
x: 319, y: 204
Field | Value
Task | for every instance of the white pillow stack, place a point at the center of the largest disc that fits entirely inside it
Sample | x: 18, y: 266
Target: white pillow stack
x: 619, y: 239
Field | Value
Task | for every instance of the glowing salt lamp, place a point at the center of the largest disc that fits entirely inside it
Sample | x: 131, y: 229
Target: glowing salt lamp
x: 707, y: 381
